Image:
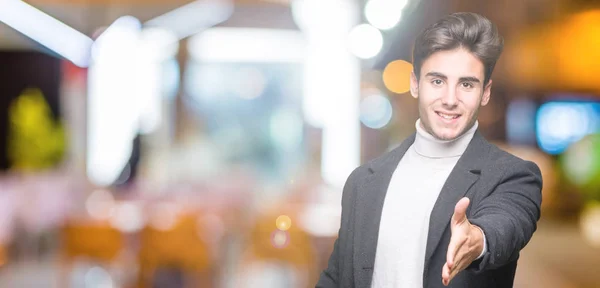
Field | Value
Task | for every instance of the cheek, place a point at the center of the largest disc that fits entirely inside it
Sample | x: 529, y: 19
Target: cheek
x: 471, y: 101
x: 428, y: 96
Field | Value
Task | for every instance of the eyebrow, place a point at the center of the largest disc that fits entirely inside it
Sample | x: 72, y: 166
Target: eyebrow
x: 436, y: 74
x: 461, y: 79
x: 469, y: 79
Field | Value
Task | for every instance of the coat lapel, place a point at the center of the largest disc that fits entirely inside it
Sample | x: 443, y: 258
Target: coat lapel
x: 463, y: 176
x: 369, y: 205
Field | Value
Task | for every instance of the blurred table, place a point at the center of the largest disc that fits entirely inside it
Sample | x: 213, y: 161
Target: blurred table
x: 558, y: 257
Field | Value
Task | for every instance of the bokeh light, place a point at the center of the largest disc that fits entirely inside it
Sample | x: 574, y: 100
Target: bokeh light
x: 98, y: 277
x: 280, y: 239
x: 581, y: 165
x: 559, y: 124
x: 164, y: 216
x: 100, y: 204
x: 396, y: 76
x: 127, y: 217
x: 384, y: 14
x: 283, y: 222
x: 365, y: 41
x: 375, y: 111
x: 590, y: 224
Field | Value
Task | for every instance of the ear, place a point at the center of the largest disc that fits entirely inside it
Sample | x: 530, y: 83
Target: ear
x: 414, y: 85
x: 487, y: 91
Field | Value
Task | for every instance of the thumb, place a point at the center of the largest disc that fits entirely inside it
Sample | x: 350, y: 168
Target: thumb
x: 460, y: 211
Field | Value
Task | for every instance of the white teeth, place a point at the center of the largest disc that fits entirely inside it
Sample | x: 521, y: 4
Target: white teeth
x: 449, y: 117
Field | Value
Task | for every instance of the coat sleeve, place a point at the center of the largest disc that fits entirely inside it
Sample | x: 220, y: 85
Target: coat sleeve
x: 331, y: 276
x: 509, y: 215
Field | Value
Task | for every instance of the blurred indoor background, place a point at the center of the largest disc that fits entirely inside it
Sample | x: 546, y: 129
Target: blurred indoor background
x: 153, y: 143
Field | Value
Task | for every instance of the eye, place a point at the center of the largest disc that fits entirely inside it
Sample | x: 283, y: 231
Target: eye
x: 467, y: 85
x: 437, y: 82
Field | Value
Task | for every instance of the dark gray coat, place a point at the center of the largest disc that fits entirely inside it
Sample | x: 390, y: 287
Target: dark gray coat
x: 505, y: 194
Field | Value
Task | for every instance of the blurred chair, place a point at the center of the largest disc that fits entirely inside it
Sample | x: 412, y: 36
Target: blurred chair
x: 179, y: 248
x: 291, y: 247
x: 98, y: 242
x: 3, y: 256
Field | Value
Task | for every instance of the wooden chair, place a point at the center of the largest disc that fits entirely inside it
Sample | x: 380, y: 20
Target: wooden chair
x: 180, y: 247
x: 98, y: 242
x: 292, y: 247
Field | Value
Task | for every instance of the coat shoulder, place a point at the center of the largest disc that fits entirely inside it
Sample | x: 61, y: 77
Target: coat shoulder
x: 504, y: 160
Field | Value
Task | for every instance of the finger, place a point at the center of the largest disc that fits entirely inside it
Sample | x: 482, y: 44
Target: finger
x: 461, y: 262
x: 457, y: 265
x: 445, y: 274
x: 457, y: 268
x: 456, y: 243
x: 460, y: 211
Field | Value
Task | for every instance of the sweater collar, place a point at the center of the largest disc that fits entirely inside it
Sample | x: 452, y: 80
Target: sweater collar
x: 428, y: 146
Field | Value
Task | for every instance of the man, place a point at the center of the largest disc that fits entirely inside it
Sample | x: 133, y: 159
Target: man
x: 445, y: 208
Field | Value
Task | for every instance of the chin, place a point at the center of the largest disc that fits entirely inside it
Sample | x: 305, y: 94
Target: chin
x: 446, y: 133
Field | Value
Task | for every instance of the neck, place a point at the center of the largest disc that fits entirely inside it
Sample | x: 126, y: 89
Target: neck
x: 428, y: 146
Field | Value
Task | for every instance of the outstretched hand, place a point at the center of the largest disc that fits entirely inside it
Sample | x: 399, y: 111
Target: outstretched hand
x: 466, y: 243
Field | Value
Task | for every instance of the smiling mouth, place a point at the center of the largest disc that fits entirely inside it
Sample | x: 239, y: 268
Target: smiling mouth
x: 448, y: 116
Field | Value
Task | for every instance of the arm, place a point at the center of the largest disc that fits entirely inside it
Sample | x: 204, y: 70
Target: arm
x: 508, y: 217
x: 330, y: 277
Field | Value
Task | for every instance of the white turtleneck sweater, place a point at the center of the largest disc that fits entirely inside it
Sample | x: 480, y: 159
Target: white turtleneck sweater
x: 412, y: 193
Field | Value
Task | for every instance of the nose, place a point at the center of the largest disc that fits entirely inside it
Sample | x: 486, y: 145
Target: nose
x: 449, y: 98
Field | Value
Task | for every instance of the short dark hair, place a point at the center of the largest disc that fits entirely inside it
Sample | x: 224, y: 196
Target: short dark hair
x: 470, y: 31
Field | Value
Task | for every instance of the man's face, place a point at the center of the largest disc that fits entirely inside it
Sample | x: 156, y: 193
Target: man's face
x: 450, y: 92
